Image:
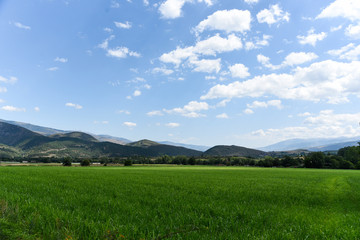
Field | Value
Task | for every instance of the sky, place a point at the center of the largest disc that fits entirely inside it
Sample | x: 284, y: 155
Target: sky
x: 206, y: 72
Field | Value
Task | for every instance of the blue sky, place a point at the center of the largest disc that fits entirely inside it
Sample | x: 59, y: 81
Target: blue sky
x: 208, y: 72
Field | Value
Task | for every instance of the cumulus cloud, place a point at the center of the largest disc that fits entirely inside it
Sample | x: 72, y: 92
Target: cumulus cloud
x: 292, y: 59
x: 348, y: 52
x: 206, y: 65
x: 226, y: 20
x: 125, y: 25
x: 272, y: 15
x: 73, y: 105
x: 257, y: 42
x: 248, y: 111
x: 13, y: 109
x: 36, y: 109
x: 172, y: 125
x: 122, y: 52
x: 222, y: 116
x: 171, y: 9
x: 329, y: 81
x: 270, y: 103
x: 325, y: 124
x: 129, y: 124
x: 349, y: 9
x: 137, y: 93
x: 353, y: 31
x: 239, y: 70
x: 190, y: 110
x: 251, y: 1
x: 312, y: 38
x: 123, y: 112
x: 52, y: 69
x: 209, y: 47
x: 297, y: 58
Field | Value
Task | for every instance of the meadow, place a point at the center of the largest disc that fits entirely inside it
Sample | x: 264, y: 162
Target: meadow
x: 178, y: 203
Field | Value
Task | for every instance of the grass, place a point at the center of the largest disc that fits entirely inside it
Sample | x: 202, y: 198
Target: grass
x: 178, y: 203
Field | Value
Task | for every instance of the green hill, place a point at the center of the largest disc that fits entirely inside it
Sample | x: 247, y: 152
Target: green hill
x: 233, y: 151
x: 142, y: 143
x: 79, y: 135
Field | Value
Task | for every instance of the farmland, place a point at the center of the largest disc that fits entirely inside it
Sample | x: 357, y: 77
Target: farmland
x: 178, y: 202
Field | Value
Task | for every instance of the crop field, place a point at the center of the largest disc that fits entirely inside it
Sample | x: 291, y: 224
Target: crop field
x: 178, y: 203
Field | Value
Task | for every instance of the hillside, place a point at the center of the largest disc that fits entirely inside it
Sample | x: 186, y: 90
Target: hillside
x: 142, y: 143
x: 79, y: 135
x: 230, y: 151
x: 12, y: 135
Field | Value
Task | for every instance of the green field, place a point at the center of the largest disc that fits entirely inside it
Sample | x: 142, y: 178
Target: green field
x: 178, y: 203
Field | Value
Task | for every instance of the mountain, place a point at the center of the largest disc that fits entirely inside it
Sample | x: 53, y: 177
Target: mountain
x: 16, y: 141
x: 34, y: 128
x: 313, y: 143
x: 108, y: 138
x: 191, y: 146
x: 143, y: 143
x: 233, y: 151
x: 164, y: 149
x: 334, y: 147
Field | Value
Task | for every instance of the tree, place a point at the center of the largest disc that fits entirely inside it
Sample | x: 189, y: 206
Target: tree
x: 66, y: 162
x: 315, y: 160
x: 85, y: 163
x: 128, y: 162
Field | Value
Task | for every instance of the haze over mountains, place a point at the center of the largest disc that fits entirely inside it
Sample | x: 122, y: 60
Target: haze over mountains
x: 26, y: 140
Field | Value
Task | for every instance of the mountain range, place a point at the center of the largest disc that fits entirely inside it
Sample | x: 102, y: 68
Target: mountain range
x: 19, y: 139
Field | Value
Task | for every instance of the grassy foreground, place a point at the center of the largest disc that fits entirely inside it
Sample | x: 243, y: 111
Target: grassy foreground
x: 178, y: 203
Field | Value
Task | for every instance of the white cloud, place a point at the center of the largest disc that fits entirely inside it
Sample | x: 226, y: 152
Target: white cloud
x: 73, y: 105
x: 206, y: 65
x: 348, y: 52
x: 146, y: 2
x: 322, y: 81
x: 105, y: 43
x: 353, y: 31
x: 334, y: 29
x: 8, y: 80
x: 251, y: 1
x: 13, y: 109
x: 270, y: 103
x: 22, y: 26
x: 257, y: 43
x: 272, y: 15
x: 3, y: 89
x: 121, y: 52
x: 326, y: 124
x: 137, y: 93
x: 146, y: 86
x: 123, y: 112
x: 248, y: 111
x: 292, y: 59
x: 109, y: 30
x: 59, y: 59
x: 191, y: 110
x: 210, y: 46
x: 297, y: 58
x: 36, y: 109
x: 164, y: 71
x: 222, y: 116
x: 53, y: 69
x: 129, y: 124
x: 312, y: 37
x: 172, y: 125
x: 125, y: 25
x: 349, y: 9
x: 239, y: 70
x: 171, y: 9
x: 115, y: 4
x: 155, y: 113
x: 226, y: 20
